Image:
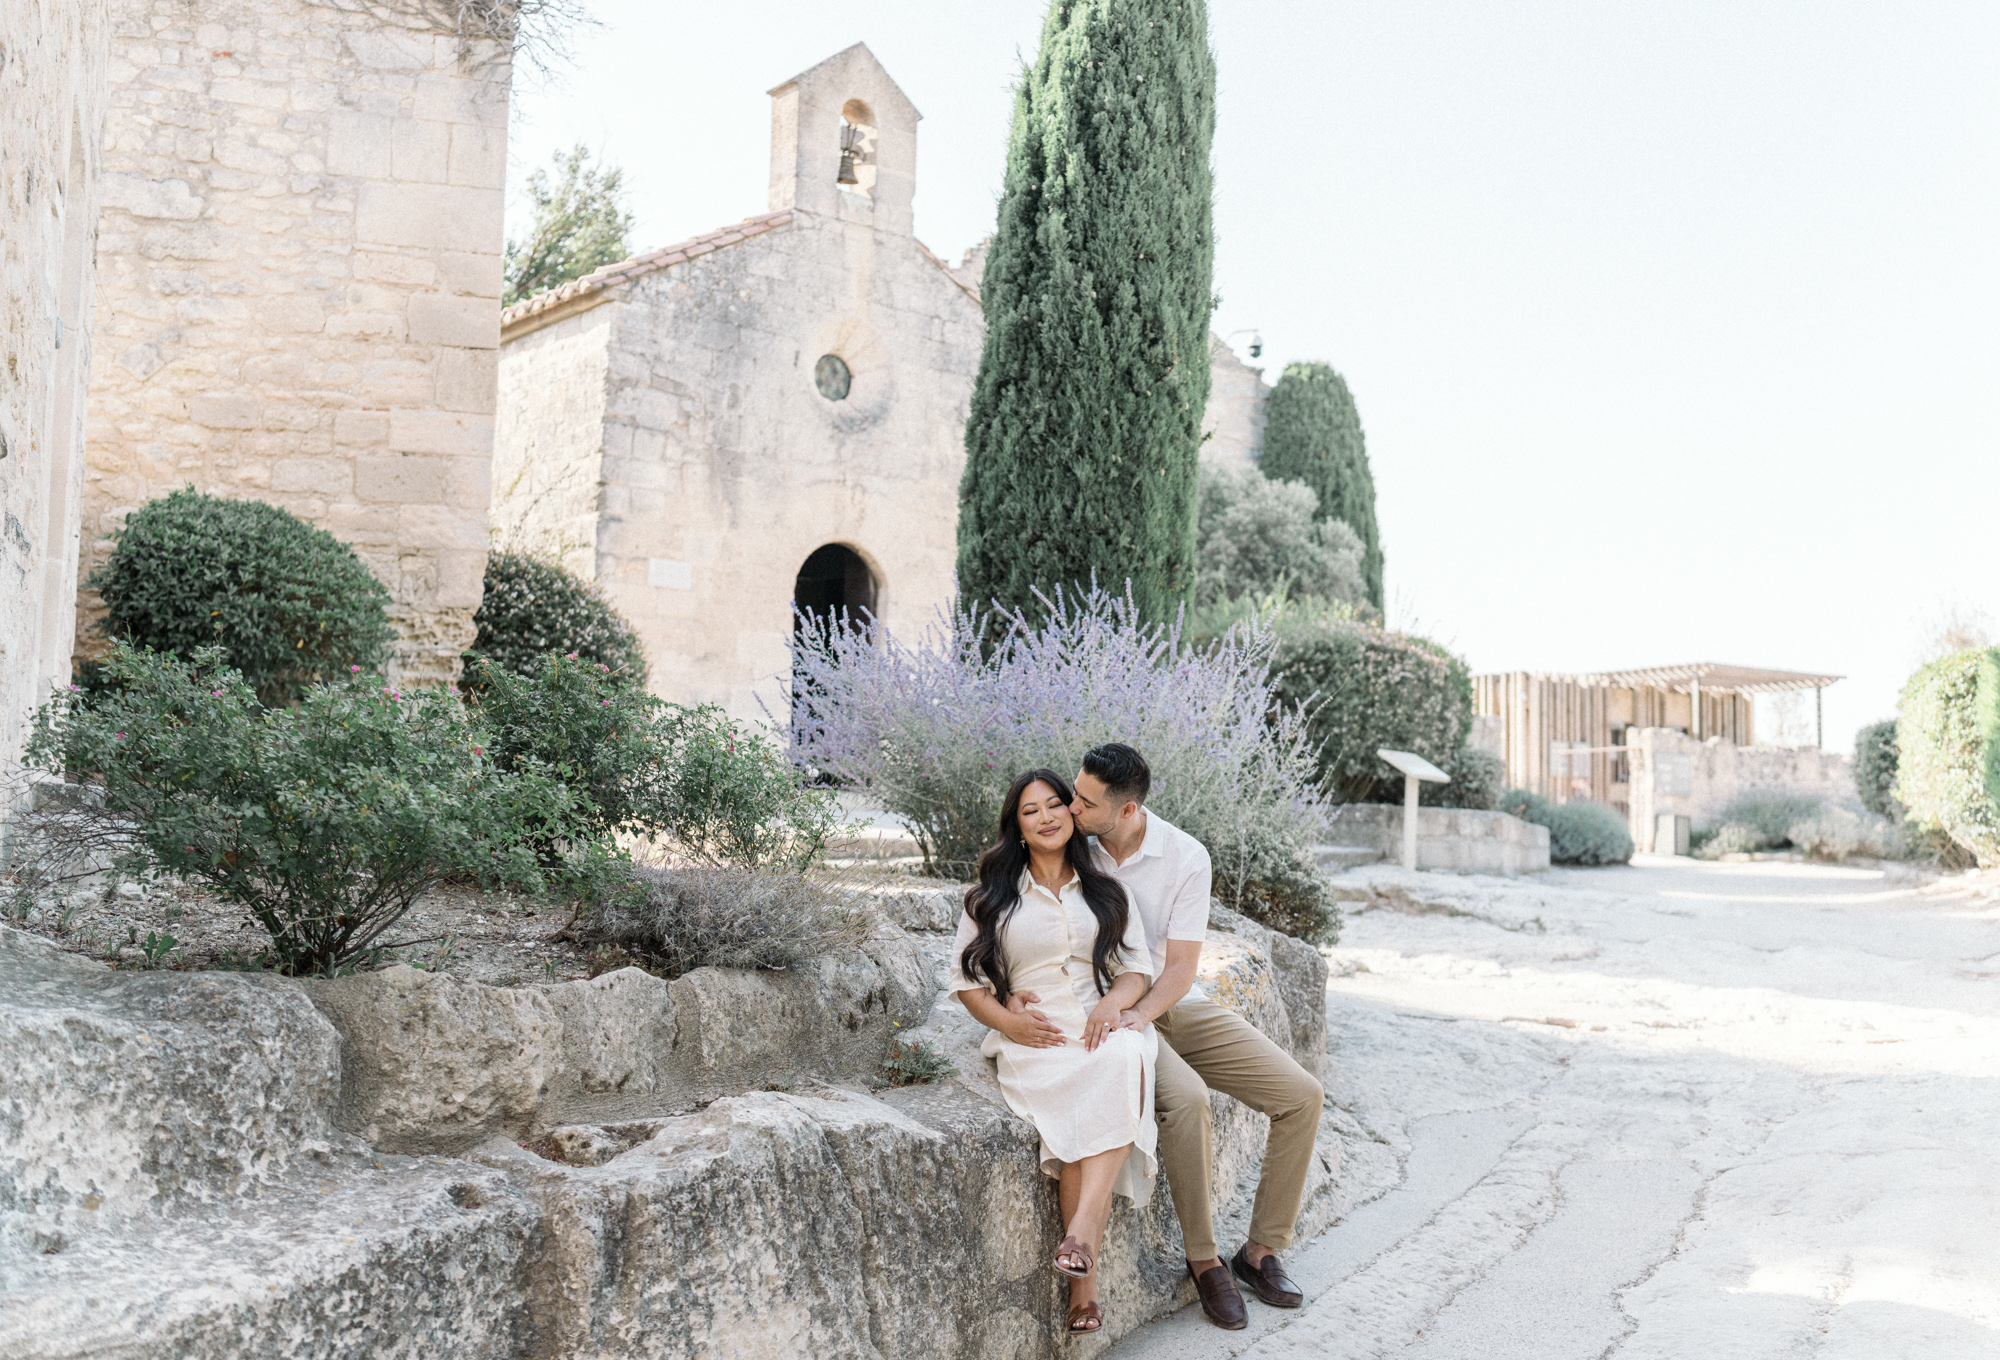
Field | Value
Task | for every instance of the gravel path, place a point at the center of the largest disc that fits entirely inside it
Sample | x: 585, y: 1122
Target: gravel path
x: 1679, y: 1110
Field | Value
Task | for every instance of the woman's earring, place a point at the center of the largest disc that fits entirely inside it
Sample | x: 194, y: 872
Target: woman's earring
x: 1024, y: 842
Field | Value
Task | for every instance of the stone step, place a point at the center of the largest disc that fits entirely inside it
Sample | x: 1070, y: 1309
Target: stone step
x: 1334, y: 858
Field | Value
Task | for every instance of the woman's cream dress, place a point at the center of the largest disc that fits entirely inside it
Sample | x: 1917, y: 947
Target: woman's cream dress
x: 1081, y: 1102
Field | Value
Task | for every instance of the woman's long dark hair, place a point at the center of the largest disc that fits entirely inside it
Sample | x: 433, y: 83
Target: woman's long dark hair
x: 992, y: 900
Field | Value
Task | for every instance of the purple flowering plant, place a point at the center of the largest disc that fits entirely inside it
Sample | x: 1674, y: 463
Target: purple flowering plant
x: 935, y: 727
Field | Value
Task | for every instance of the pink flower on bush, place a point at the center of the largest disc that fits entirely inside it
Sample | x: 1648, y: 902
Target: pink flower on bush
x: 354, y: 670
x: 570, y: 657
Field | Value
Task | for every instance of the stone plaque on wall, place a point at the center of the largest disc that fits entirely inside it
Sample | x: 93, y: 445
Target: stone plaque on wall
x: 1673, y: 776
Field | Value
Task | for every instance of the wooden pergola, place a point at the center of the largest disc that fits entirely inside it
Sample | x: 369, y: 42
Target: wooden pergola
x: 1718, y: 678
x: 1563, y: 735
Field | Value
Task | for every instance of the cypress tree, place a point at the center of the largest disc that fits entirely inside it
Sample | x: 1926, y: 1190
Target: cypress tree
x: 1312, y: 434
x: 1086, y: 415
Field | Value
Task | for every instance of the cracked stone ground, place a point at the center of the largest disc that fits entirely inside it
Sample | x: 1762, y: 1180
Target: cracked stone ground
x: 1677, y: 1110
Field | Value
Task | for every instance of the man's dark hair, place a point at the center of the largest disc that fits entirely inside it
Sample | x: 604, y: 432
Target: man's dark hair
x: 1124, y: 772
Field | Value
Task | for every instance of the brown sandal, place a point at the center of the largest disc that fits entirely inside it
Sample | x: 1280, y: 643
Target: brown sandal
x: 1086, y: 1312
x: 1076, y: 1251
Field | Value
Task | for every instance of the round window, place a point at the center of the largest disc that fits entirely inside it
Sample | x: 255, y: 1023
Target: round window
x: 832, y: 378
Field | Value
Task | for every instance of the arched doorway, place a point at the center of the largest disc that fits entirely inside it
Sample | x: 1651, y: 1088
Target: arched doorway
x: 833, y: 581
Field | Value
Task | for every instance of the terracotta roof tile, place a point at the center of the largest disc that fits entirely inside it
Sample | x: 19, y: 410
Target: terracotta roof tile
x: 623, y: 271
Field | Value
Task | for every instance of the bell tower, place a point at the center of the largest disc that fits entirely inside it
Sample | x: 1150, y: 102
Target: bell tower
x: 844, y: 143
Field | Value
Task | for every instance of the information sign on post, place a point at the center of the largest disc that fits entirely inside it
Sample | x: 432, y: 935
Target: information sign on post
x: 1416, y: 770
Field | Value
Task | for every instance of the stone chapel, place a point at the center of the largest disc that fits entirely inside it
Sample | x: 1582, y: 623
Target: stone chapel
x: 770, y: 415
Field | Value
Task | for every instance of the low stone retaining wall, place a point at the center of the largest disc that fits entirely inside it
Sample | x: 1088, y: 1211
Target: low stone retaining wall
x: 1456, y: 840
x: 235, y: 1165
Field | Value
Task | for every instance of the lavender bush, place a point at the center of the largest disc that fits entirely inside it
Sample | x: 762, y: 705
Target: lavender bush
x: 937, y: 729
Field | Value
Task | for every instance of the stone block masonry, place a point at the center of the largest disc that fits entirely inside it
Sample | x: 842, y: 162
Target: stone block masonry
x: 52, y: 101
x: 299, y: 303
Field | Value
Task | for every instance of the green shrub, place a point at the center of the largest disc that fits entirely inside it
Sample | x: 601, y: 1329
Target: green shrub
x: 1207, y: 625
x: 1944, y: 740
x: 1986, y: 720
x: 534, y: 608
x: 1367, y: 689
x: 729, y: 917
x: 1312, y: 432
x: 1778, y: 820
x: 288, y: 604
x: 1875, y: 769
x: 1580, y: 831
x: 1478, y: 778
x: 324, y: 821
x: 715, y: 790
x: 1761, y: 820
x: 915, y: 1062
x: 1838, y: 833
x: 1290, y: 895
x: 1255, y: 536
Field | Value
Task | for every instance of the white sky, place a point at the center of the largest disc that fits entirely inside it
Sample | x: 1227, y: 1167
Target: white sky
x: 1675, y: 328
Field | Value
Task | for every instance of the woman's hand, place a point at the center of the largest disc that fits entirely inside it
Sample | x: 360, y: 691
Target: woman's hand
x: 1029, y: 1028
x: 1017, y: 1020
x: 1102, y: 1020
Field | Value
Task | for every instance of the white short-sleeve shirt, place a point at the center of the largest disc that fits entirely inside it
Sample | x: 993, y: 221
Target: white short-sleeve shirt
x: 1169, y: 880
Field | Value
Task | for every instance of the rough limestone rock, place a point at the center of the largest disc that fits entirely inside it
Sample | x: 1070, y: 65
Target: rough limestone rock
x: 606, y: 1196
x: 147, y: 1094
x: 434, y: 1064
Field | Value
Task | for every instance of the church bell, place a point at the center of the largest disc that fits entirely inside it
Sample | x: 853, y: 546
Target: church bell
x: 849, y: 137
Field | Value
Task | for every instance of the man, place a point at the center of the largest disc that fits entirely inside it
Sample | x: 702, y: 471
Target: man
x: 1167, y: 872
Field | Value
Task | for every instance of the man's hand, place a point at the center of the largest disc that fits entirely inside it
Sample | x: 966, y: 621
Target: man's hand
x: 1099, y: 1024
x: 1029, y: 1027
x: 1133, y: 1020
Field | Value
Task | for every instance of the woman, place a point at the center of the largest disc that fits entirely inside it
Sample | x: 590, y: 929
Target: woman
x: 1046, y: 924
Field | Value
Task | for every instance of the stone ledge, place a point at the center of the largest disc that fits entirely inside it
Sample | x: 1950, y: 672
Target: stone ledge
x: 1454, y: 840
x: 819, y: 1220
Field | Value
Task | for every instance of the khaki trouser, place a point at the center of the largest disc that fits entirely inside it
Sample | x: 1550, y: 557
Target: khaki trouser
x: 1206, y: 1046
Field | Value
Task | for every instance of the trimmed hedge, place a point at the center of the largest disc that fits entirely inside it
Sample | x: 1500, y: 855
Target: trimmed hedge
x: 534, y: 608
x: 1580, y: 831
x: 1875, y: 769
x: 1946, y: 732
x: 288, y: 604
x: 1367, y: 689
x: 1478, y: 780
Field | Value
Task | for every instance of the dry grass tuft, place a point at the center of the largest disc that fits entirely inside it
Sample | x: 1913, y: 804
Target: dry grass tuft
x: 702, y: 917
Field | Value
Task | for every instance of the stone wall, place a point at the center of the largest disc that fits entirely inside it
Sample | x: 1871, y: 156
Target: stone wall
x: 1453, y: 840
x: 1234, y: 419
x: 1672, y: 772
x: 299, y: 302
x: 53, y: 56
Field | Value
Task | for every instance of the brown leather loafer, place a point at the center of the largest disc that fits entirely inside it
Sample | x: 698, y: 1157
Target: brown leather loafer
x: 1267, y: 1280
x: 1219, y: 1298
